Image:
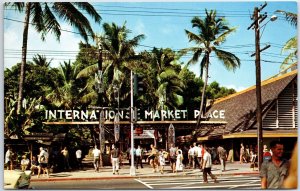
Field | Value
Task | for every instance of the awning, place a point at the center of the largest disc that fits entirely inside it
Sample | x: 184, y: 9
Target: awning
x: 265, y: 135
x: 252, y: 134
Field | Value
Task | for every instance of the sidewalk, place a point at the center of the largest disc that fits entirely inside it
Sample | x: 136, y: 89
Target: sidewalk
x: 106, y: 173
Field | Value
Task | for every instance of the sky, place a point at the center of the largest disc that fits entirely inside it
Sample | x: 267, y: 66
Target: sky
x: 163, y: 24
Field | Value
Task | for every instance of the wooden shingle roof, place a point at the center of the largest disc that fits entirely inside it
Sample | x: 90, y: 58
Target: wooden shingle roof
x: 240, y: 108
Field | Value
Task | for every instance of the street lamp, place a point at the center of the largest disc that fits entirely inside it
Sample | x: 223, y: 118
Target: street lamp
x: 132, y: 168
x: 257, y: 19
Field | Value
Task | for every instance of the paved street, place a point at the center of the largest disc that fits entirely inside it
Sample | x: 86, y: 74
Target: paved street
x: 225, y: 182
x: 237, y: 176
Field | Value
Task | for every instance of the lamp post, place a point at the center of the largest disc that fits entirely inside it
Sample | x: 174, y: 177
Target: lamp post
x: 257, y: 19
x: 132, y: 168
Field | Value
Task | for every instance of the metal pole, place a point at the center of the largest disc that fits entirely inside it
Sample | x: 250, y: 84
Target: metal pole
x: 132, y: 168
x: 258, y: 89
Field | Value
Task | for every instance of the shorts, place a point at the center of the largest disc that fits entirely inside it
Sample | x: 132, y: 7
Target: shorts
x: 43, y: 165
x: 172, y: 159
x: 151, y: 157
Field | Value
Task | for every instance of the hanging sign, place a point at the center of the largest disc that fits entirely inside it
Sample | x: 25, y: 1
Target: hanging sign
x: 171, y: 134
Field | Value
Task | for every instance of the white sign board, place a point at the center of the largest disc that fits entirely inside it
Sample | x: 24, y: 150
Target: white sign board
x: 147, y: 134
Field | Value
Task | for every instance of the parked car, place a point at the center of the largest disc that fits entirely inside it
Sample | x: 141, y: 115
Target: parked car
x: 16, y: 179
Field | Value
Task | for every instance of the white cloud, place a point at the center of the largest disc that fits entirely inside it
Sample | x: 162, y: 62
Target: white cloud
x: 51, y: 48
x: 237, y: 88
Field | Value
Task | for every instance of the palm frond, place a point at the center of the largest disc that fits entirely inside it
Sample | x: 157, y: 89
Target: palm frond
x: 290, y: 17
x: 230, y: 61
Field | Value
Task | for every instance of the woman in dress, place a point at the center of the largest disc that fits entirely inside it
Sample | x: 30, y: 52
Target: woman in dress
x: 162, y: 161
x: 179, y: 165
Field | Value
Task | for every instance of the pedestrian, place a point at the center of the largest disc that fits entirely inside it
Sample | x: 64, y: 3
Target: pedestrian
x: 274, y: 171
x: 200, y: 155
x: 191, y: 157
x: 179, y: 159
x: 173, y: 157
x: 162, y: 161
x: 242, y: 154
x: 78, y: 154
x: 222, y: 154
x: 153, y: 157
x: 96, y: 154
x: 8, y: 159
x: 24, y: 163
x: 65, y: 154
x: 34, y: 165
x: 196, y: 150
x: 43, y: 161
x: 115, y: 154
x: 206, y: 166
x: 139, y: 157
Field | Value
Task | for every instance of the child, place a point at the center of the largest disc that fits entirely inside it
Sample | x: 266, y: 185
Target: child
x: 162, y: 161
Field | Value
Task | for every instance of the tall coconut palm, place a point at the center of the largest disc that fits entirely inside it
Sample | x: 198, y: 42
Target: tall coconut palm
x: 44, y: 16
x: 66, y: 92
x: 291, y: 46
x: 212, y: 32
x: 119, y: 58
x: 166, y: 78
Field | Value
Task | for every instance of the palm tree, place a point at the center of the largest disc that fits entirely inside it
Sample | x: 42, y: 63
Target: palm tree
x: 212, y: 33
x: 167, y: 84
x: 291, y: 45
x: 43, y: 18
x: 119, y: 58
x: 66, y: 91
x: 41, y: 60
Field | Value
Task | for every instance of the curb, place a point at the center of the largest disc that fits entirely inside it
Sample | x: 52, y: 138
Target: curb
x: 134, y: 177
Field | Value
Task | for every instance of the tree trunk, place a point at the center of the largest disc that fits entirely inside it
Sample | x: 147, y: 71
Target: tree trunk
x: 203, y: 90
x: 24, y: 53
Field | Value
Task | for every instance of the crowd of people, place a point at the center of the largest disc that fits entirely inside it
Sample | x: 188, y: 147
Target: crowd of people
x: 275, y: 172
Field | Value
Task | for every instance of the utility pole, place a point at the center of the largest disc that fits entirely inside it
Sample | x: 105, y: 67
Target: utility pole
x: 99, y: 87
x: 257, y: 19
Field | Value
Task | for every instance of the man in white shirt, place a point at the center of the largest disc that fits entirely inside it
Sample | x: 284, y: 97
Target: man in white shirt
x: 96, y: 153
x: 195, y: 149
x: 78, y: 158
x: 207, y: 164
x: 138, y: 154
x: 191, y: 157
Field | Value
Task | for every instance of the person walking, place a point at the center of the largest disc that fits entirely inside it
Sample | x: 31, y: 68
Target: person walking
x: 242, y: 154
x: 96, y: 153
x: 179, y: 159
x: 153, y: 157
x: 139, y: 157
x: 8, y: 159
x: 173, y: 157
x: 115, y: 154
x: 196, y: 150
x: 65, y: 154
x: 43, y: 161
x: 78, y: 154
x: 206, y: 166
x: 222, y: 153
x: 191, y: 157
x: 275, y: 170
x: 200, y: 155
x: 162, y: 161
